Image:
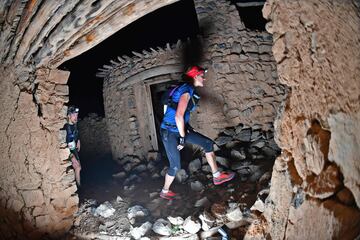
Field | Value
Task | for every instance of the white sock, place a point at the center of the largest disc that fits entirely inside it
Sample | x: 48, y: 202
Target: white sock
x: 165, y: 190
x: 216, y: 174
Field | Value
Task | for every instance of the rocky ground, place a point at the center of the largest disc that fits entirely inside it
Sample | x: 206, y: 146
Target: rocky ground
x: 128, y: 205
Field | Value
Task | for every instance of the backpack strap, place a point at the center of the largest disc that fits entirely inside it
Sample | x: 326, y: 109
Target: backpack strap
x: 192, y: 102
x: 170, y: 102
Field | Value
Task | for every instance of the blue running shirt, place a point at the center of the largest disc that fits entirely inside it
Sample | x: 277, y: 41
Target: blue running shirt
x: 169, y: 117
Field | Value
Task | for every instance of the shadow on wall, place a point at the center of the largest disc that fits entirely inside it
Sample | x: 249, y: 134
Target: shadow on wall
x: 193, y: 53
x: 14, y: 226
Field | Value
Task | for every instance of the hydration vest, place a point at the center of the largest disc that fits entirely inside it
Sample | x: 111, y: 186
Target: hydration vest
x: 167, y: 98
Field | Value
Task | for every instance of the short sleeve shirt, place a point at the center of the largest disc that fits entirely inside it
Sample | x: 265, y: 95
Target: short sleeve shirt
x: 169, y: 117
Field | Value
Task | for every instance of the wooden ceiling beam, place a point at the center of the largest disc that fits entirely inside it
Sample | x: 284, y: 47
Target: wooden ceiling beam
x: 103, y: 30
x: 11, y: 19
x: 48, y: 26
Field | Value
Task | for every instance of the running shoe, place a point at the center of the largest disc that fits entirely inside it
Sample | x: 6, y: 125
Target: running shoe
x: 223, y: 177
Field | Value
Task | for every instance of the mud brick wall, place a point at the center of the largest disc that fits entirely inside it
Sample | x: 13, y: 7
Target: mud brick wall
x: 315, y: 182
x: 37, y: 194
x: 241, y: 87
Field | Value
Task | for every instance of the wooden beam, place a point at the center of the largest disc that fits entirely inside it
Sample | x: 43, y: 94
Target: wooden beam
x: 4, y: 8
x: 9, y: 27
x: 25, y: 21
x: 53, y: 21
x: 86, y: 20
x: 118, y: 20
x: 46, y: 10
x: 149, y: 73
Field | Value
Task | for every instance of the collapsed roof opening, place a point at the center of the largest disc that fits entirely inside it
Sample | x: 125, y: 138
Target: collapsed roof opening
x: 250, y: 12
x: 167, y: 24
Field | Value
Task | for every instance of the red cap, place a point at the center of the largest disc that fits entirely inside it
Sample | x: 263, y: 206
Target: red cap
x: 195, y: 71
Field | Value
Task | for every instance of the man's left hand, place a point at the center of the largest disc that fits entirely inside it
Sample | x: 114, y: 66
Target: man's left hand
x: 181, y: 143
x: 78, y: 146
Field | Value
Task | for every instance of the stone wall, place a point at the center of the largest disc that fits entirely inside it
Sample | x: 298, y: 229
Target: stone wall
x: 315, y: 182
x: 37, y: 195
x: 241, y: 87
x: 94, y: 136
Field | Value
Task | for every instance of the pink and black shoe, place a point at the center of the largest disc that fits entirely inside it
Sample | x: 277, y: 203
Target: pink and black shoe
x: 223, y: 177
x: 168, y: 195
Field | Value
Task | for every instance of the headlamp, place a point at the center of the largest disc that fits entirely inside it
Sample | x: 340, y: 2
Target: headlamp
x: 72, y: 109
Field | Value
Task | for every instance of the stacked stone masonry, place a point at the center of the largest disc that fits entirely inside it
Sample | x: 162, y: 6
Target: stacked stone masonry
x: 316, y: 49
x: 94, y: 137
x: 37, y: 196
x: 241, y: 87
x: 37, y: 187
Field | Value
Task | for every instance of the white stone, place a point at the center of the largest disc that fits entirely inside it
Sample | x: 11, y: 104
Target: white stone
x: 105, y: 210
x: 119, y: 199
x: 191, y: 226
x: 162, y: 227
x: 175, y: 220
x: 138, y: 232
x: 234, y: 215
x: 258, y: 205
x: 209, y: 232
x: 185, y: 236
x: 137, y: 211
x: 205, y: 225
x: 119, y: 175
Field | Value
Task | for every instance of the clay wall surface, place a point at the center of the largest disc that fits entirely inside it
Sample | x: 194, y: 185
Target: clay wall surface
x: 315, y: 183
x: 241, y: 85
x: 37, y: 195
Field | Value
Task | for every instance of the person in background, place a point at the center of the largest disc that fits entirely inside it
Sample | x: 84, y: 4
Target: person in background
x: 73, y: 141
x: 175, y: 131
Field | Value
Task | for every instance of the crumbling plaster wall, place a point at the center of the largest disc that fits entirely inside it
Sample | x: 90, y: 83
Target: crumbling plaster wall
x: 34, y: 185
x: 315, y: 182
x: 37, y: 196
x: 241, y: 87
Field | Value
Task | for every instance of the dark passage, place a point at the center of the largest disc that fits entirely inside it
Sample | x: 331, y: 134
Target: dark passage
x: 165, y: 25
x: 250, y: 13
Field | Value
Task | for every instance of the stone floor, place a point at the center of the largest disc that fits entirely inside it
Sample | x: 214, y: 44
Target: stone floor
x: 99, y: 186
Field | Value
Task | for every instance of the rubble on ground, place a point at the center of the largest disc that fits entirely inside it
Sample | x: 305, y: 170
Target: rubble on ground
x: 203, y: 210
